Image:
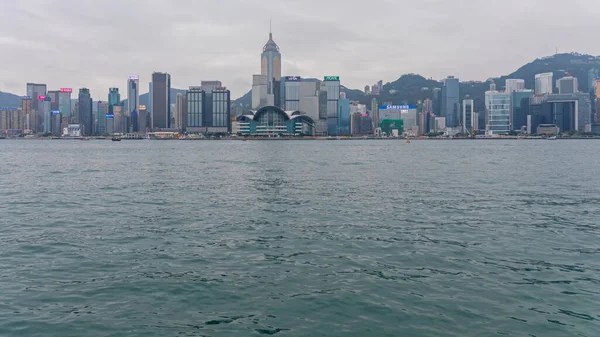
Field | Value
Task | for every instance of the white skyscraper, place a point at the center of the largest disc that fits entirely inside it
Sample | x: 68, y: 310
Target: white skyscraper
x: 543, y: 83
x: 514, y: 85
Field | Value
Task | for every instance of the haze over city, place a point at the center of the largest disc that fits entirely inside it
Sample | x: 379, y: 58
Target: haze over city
x: 97, y: 44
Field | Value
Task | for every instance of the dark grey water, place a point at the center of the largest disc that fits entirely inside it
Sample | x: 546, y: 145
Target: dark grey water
x: 308, y: 238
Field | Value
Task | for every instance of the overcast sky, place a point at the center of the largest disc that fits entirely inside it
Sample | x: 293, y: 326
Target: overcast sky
x: 97, y: 43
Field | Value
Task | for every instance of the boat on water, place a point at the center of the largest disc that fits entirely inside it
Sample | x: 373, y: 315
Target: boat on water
x: 407, y: 140
x: 116, y: 139
x: 552, y: 138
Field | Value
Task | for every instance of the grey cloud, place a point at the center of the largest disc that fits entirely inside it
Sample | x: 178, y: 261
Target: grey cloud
x: 96, y: 44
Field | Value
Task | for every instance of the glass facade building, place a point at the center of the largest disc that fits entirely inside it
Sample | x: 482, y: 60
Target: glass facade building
x: 195, y: 107
x: 331, y: 85
x: 450, y: 101
x: 291, y: 93
x: 520, y: 108
x: 133, y: 101
x: 343, y: 117
x: 101, y: 117
x: 161, y: 100
x: 498, y: 108
x: 221, y: 106
x: 85, y: 112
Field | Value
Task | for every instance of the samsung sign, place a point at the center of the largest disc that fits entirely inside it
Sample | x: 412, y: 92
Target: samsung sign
x: 110, y: 116
x: 397, y: 107
x: 133, y: 77
x: 55, y: 112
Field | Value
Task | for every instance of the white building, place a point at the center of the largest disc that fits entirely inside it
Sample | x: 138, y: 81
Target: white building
x: 469, y: 117
x: 514, y: 85
x: 498, y: 108
x: 259, y: 92
x: 543, y: 83
x: 72, y: 130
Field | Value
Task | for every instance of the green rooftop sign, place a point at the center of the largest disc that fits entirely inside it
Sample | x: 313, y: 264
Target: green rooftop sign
x: 332, y: 78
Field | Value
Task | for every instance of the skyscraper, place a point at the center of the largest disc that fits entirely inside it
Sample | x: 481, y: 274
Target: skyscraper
x: 45, y: 109
x: 101, y: 117
x: 332, y: 86
x: 28, y: 113
x: 520, y: 108
x: 64, y: 103
x: 85, y: 112
x: 260, y: 92
x: 343, y: 128
x: 36, y: 91
x: 543, y: 83
x: 114, y: 97
x: 514, y: 85
x: 270, y: 61
x: 567, y: 85
x: 291, y: 93
x: 469, y: 118
x: 195, y: 105
x: 180, y: 112
x: 450, y: 101
x: 161, y: 101
x: 375, y: 113
x: 498, y: 113
x: 133, y: 102
x: 221, y: 110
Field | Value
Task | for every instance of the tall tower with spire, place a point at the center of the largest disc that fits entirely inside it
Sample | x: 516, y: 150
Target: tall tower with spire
x: 271, y: 64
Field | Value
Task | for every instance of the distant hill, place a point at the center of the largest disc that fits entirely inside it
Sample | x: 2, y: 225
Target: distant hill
x: 9, y: 100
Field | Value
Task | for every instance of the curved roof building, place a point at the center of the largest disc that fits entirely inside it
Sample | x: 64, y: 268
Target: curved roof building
x: 271, y: 120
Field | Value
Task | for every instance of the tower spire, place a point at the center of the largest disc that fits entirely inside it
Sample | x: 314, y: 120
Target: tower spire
x: 271, y: 28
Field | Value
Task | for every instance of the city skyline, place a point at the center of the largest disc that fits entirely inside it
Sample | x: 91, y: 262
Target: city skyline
x: 312, y: 43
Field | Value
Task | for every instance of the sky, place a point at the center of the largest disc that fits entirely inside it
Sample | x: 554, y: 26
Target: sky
x: 98, y: 43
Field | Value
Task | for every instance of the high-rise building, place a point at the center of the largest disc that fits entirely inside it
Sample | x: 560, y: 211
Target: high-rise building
x: 520, y: 108
x: 291, y: 93
x: 567, y: 85
x: 497, y: 113
x: 469, y: 118
x: 367, y: 90
x: 332, y: 86
x: 569, y: 112
x: 143, y: 121
x: 35, y: 90
x: 437, y: 101
x: 101, y: 117
x: 543, y: 83
x: 85, y: 112
x: 450, y: 100
x: 380, y: 85
x: 220, y: 110
x: 45, y: 113
x: 270, y: 61
x: 195, y: 109
x: 260, y: 90
x: 114, y: 98
x: 514, y: 85
x: 29, y: 114
x: 375, y: 113
x: 161, y: 102
x: 150, y: 96
x: 64, y: 103
x: 119, y: 119
x: 343, y: 128
x: 598, y: 100
x: 133, y: 102
x: 180, y: 112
